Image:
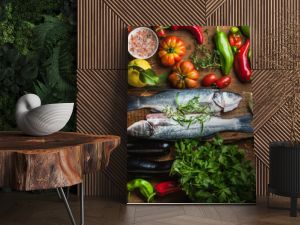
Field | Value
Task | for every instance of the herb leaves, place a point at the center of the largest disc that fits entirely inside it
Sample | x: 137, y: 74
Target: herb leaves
x: 192, y: 106
x: 214, y: 172
x: 202, y: 58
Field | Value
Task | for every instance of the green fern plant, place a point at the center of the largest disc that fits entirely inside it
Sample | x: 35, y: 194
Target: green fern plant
x: 54, y: 45
x: 57, y: 64
x: 17, y: 74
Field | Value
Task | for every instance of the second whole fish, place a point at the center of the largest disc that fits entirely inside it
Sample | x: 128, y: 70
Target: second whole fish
x: 218, y: 101
x: 160, y: 127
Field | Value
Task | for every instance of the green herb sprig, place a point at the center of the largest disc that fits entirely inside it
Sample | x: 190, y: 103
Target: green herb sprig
x: 179, y: 114
x: 202, y: 58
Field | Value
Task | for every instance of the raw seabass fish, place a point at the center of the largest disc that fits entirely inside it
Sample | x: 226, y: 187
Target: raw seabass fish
x: 217, y: 100
x: 160, y: 127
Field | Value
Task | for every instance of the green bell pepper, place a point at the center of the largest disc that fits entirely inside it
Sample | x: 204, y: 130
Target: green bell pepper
x: 224, y: 48
x: 145, y: 188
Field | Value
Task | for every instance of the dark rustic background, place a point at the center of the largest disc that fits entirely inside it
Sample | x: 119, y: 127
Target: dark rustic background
x: 102, y: 70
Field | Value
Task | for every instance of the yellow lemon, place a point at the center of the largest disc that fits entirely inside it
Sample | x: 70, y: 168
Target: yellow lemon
x: 134, y: 74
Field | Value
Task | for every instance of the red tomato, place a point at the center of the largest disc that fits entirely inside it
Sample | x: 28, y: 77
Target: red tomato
x: 209, y: 80
x: 223, y: 82
x: 184, y: 76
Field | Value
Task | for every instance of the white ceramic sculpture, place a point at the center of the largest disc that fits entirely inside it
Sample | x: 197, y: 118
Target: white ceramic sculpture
x: 40, y: 120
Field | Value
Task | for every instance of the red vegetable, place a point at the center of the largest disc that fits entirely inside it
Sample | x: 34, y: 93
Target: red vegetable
x: 160, y: 31
x: 209, y: 80
x: 223, y: 82
x: 196, y: 31
x: 129, y: 29
x: 235, y: 40
x: 184, y: 76
x: 171, y: 50
x: 242, y: 63
x: 166, y: 187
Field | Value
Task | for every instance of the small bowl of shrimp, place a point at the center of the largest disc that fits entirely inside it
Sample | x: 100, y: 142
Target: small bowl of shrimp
x: 142, y: 43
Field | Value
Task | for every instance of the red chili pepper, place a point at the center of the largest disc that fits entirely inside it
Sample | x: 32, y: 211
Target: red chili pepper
x: 195, y: 30
x: 166, y: 187
x: 160, y: 31
x: 129, y: 28
x: 235, y: 40
x: 242, y: 63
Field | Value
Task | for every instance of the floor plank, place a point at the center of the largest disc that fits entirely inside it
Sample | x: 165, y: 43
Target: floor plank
x: 226, y: 213
x: 209, y: 211
x: 19, y: 208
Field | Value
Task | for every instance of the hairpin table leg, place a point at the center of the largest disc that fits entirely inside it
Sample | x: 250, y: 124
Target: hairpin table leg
x: 81, y: 203
x: 62, y: 195
x: 67, y: 193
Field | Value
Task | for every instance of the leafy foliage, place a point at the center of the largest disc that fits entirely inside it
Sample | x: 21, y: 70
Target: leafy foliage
x: 17, y: 72
x: 202, y: 58
x: 15, y: 31
x: 7, y: 119
x: 70, y: 11
x: 52, y: 42
x: 33, y: 10
x: 37, y: 52
x: 214, y: 172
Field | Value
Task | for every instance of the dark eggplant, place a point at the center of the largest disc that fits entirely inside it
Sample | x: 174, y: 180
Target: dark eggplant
x: 145, y: 167
x: 148, y: 149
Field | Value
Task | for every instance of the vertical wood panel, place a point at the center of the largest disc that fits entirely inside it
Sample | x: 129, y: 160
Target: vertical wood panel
x: 262, y: 178
x: 102, y: 37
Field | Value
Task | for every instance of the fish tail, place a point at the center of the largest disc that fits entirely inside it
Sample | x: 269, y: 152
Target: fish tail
x: 244, y: 124
x: 133, y: 103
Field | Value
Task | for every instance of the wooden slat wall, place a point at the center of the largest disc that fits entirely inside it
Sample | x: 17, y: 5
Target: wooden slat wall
x: 102, y: 61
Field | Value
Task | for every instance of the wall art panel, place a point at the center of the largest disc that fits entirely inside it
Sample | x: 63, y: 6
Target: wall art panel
x: 189, y: 120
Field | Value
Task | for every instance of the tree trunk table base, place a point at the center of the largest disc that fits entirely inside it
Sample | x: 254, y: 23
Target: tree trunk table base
x: 55, y: 161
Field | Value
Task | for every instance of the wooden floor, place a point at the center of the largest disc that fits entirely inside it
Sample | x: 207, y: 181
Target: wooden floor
x: 46, y: 209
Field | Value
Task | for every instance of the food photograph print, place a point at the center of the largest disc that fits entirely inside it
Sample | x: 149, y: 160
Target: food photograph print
x: 189, y: 115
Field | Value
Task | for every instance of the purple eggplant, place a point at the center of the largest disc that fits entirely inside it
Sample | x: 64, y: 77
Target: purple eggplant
x: 148, y: 149
x: 145, y: 167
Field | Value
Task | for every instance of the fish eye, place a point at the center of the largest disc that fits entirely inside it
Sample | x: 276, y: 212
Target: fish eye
x: 219, y: 99
x: 218, y: 96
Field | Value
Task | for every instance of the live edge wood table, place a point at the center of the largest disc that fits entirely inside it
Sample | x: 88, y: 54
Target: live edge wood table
x: 52, y: 162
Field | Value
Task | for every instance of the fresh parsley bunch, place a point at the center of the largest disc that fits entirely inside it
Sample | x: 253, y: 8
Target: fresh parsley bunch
x: 214, y: 172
